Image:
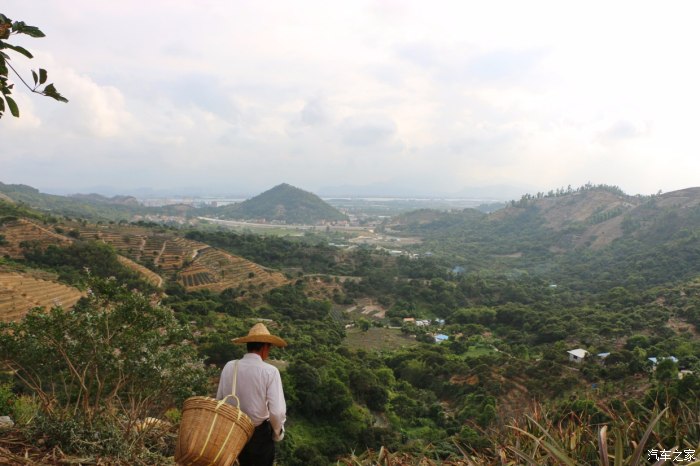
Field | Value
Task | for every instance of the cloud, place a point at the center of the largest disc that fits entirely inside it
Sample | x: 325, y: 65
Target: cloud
x: 314, y: 113
x: 94, y: 110
x: 624, y: 130
x: 504, y: 64
x: 367, y: 130
x: 265, y: 92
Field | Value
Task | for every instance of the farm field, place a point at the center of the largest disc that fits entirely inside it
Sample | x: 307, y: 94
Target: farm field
x: 216, y: 270
x: 378, y: 339
x: 20, y: 292
x: 21, y: 231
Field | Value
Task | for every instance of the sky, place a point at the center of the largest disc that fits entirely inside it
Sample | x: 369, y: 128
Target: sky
x: 441, y: 98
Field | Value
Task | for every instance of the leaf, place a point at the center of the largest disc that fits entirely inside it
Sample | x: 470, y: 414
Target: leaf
x: 603, y: 445
x: 5, y: 30
x: 553, y: 449
x: 20, y: 27
x: 618, y: 447
x: 42, y: 75
x: 2, y: 106
x: 531, y: 461
x: 638, y: 451
x: 36, y: 78
x: 19, y: 49
x: 50, y: 91
x: 14, y: 109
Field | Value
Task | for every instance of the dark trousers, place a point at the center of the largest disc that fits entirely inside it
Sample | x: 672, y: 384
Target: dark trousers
x: 260, y: 449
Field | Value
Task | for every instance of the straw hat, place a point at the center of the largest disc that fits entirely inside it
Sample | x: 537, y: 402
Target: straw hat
x: 260, y: 334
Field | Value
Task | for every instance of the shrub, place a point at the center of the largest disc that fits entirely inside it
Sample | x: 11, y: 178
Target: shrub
x: 99, y: 368
x: 7, y: 399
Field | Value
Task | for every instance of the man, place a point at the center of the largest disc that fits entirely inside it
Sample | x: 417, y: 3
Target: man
x: 259, y: 389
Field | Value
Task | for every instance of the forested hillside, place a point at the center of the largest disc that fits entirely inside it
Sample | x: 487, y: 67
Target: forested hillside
x: 90, y: 207
x: 434, y: 354
x: 595, y: 237
x: 283, y: 203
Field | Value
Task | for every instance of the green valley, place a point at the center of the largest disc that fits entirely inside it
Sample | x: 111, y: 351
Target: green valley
x: 462, y: 348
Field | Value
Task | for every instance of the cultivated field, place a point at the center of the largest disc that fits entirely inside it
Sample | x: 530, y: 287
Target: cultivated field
x: 380, y: 339
x: 21, y: 292
x: 21, y: 231
x: 216, y: 270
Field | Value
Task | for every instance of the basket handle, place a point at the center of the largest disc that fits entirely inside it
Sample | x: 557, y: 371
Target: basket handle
x: 233, y: 391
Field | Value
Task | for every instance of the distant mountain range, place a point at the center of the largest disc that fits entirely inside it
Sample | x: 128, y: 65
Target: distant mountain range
x: 283, y: 203
x: 88, y: 206
x: 606, y: 236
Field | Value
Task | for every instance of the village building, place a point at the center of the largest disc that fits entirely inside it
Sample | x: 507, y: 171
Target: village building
x: 577, y: 355
x: 655, y: 361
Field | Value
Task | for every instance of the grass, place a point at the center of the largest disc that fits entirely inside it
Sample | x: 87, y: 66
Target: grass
x: 478, y: 351
x: 375, y: 338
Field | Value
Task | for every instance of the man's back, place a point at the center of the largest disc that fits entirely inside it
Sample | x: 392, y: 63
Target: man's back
x: 259, y: 389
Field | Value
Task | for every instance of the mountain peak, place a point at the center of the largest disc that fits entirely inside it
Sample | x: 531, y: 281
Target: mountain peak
x: 285, y: 203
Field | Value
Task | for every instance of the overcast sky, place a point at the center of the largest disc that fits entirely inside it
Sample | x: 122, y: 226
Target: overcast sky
x: 394, y: 96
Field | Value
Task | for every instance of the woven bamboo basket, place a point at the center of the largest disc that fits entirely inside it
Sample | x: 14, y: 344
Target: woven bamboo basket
x: 212, y: 432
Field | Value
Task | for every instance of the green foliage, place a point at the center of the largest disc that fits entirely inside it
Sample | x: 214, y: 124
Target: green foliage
x: 115, y: 358
x: 75, y: 261
x: 78, y: 207
x: 510, y: 321
x: 273, y: 251
x: 7, y: 398
x: 7, y: 29
x: 283, y: 203
x: 666, y: 370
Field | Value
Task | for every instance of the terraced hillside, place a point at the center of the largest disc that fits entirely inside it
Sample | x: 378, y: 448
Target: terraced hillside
x: 176, y: 252
x: 196, y: 265
x: 217, y: 270
x: 21, y: 292
x: 21, y: 230
x: 149, y: 275
x: 168, y: 252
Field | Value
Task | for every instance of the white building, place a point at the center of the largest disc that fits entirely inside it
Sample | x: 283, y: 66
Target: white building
x: 577, y: 355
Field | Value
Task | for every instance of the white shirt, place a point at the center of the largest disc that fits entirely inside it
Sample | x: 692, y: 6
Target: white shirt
x: 259, y: 388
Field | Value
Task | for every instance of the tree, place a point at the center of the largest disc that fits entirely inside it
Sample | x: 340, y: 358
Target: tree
x: 8, y: 28
x: 364, y: 324
x: 112, y: 360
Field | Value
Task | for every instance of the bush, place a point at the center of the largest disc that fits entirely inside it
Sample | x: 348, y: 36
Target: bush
x: 99, y: 368
x: 7, y: 398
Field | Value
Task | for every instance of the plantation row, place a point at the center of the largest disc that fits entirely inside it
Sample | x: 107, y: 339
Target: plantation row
x: 19, y: 293
x: 217, y: 270
x: 150, y: 276
x: 201, y: 266
x: 17, y: 232
x: 169, y: 253
x: 197, y: 279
